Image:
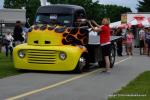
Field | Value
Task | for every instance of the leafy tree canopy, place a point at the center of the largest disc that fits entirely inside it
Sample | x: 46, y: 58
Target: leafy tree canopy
x: 94, y: 10
x: 144, y: 6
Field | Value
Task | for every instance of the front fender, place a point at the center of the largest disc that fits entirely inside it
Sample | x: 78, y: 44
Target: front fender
x: 32, y: 61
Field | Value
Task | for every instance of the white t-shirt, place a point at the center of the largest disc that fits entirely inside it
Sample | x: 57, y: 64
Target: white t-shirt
x: 142, y: 34
x: 9, y: 38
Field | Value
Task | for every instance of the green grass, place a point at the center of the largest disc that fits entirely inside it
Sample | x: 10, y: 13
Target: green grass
x: 139, y: 86
x: 6, y: 66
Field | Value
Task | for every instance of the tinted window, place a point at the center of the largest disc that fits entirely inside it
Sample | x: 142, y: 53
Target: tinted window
x: 54, y: 19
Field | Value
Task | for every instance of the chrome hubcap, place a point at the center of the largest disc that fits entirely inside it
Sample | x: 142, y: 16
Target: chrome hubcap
x: 82, y: 62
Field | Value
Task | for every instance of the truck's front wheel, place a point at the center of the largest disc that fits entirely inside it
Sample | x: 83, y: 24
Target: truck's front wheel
x: 82, y: 64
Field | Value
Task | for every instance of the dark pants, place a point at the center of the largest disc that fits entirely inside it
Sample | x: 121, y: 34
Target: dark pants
x: 148, y: 49
x: 148, y: 43
x: 119, y: 49
x: 8, y: 49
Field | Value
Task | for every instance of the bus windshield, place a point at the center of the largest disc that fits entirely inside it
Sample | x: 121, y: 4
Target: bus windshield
x: 54, y: 19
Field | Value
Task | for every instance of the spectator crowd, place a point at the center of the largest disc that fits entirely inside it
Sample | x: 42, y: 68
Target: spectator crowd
x: 128, y: 41
x: 12, y: 39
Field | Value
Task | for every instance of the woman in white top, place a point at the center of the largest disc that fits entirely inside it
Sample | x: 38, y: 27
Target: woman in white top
x: 142, y: 39
x: 9, y: 45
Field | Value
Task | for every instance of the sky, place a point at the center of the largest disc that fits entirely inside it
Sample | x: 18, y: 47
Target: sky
x: 1, y: 3
x: 127, y: 3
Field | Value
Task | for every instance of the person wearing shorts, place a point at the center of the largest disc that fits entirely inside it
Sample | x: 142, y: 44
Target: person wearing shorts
x: 104, y: 33
x: 129, y: 42
x: 106, y: 50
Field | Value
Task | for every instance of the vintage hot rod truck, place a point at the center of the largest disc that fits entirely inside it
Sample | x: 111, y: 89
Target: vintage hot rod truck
x: 60, y: 40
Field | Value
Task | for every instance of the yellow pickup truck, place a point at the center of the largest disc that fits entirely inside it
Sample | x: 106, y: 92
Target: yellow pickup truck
x: 60, y: 40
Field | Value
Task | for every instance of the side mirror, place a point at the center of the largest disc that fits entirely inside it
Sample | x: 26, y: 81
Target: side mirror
x: 81, y: 22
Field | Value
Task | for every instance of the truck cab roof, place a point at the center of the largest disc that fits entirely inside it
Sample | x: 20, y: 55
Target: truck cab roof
x: 60, y: 9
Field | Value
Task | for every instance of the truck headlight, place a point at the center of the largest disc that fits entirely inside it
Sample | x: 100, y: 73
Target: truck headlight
x: 21, y: 54
x: 62, y: 55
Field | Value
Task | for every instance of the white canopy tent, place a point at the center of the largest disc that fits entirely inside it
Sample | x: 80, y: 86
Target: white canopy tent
x: 118, y: 24
x: 115, y: 24
x: 144, y: 22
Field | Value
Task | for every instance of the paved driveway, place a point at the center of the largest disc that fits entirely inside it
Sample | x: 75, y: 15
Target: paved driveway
x: 93, y: 85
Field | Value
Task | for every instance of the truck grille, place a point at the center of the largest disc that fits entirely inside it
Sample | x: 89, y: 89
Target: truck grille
x: 42, y: 56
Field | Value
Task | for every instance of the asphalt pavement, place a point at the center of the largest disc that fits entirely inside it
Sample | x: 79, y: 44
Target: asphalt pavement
x: 92, y: 85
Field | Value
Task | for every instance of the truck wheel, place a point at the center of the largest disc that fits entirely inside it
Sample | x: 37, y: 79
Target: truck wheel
x: 82, y: 64
x: 112, y: 56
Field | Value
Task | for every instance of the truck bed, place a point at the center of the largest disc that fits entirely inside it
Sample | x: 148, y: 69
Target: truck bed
x: 94, y: 38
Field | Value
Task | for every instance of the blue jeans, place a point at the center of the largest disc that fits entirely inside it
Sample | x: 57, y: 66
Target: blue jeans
x: 8, y: 49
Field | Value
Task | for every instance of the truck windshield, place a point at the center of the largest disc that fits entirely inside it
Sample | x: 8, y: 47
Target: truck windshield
x: 54, y: 19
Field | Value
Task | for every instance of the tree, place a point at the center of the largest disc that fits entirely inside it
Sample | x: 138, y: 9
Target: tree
x: 94, y: 10
x: 144, y: 6
x: 14, y: 3
x: 31, y: 8
x: 114, y: 12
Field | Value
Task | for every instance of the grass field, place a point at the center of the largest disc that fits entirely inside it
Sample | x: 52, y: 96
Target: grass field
x: 6, y: 66
x: 138, y: 89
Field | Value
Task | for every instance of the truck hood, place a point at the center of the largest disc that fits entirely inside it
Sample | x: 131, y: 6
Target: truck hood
x: 46, y: 35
